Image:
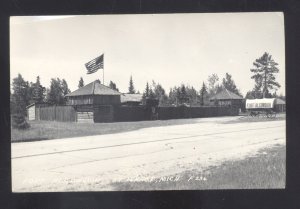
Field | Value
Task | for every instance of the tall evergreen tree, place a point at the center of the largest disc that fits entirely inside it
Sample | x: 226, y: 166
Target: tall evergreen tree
x: 65, y: 90
x: 203, y: 93
x: 38, y: 91
x: 213, y: 86
x: 131, y: 89
x: 21, y: 95
x: 146, y: 93
x: 192, y: 95
x: 250, y: 95
x: 55, y: 95
x: 113, y: 86
x: 147, y: 90
x: 81, y: 83
x: 58, y: 90
x: 19, y: 100
x: 172, y: 99
x: 159, y: 93
x: 181, y: 95
x: 229, y: 84
x: 151, y: 94
x: 264, y: 74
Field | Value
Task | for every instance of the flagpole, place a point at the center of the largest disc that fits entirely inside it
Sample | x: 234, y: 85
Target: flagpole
x: 103, y: 74
x: 103, y: 69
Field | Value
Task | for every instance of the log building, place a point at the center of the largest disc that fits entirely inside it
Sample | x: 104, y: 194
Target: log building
x: 94, y: 102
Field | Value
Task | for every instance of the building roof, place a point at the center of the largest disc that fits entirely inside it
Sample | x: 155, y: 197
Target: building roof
x: 225, y: 95
x: 131, y: 98
x: 94, y: 88
x: 32, y: 104
x: 280, y: 101
x: 37, y: 104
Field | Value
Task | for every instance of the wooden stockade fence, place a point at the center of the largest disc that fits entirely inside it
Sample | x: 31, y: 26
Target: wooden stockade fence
x: 109, y: 113
x: 195, y: 112
x: 139, y: 113
x: 57, y: 113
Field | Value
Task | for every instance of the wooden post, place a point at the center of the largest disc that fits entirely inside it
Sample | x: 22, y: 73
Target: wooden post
x: 55, y: 112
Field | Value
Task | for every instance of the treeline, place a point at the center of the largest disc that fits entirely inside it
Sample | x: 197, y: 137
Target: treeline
x: 264, y: 71
x: 25, y: 93
x: 187, y: 94
x: 264, y: 76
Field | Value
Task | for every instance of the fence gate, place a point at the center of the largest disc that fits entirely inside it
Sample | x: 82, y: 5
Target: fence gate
x: 85, y: 117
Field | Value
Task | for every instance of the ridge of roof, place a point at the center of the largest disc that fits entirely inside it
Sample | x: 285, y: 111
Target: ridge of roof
x: 226, y: 94
x: 94, y: 88
x: 280, y: 101
x: 131, y: 97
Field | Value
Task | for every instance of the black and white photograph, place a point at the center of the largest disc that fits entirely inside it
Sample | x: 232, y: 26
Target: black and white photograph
x: 148, y: 102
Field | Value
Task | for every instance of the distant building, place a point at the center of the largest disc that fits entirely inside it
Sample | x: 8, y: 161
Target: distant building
x: 33, y: 110
x: 94, y: 102
x: 131, y: 99
x: 226, y: 98
x: 93, y: 93
x: 280, y: 105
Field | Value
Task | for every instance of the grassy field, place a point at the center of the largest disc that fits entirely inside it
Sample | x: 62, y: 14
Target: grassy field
x: 265, y: 170
x: 43, y: 130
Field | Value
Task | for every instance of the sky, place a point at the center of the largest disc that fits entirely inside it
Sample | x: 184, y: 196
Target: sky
x: 171, y: 49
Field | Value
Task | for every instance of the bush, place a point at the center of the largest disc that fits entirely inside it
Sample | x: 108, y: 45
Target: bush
x: 19, y: 122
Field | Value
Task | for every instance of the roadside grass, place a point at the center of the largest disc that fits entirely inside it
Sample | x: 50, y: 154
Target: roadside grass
x: 43, y: 130
x: 246, y: 118
x: 266, y: 170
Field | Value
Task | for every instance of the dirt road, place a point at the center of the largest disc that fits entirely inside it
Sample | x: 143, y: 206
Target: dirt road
x: 93, y: 163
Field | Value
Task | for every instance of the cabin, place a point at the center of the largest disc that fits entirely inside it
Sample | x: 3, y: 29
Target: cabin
x: 94, y: 102
x: 227, y: 98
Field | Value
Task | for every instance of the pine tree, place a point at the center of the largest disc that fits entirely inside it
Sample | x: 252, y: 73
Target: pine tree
x: 113, y: 86
x: 65, y: 90
x: 20, y: 99
x: 250, y: 95
x: 19, y: 121
x: 58, y: 90
x: 183, y: 98
x: 172, y: 99
x: 151, y: 94
x: 81, y: 83
x: 192, y: 95
x: 181, y: 95
x: 213, y: 86
x: 265, y: 68
x: 203, y: 93
x: 146, y: 93
x: 229, y: 84
x: 131, y: 89
x: 21, y: 94
x: 38, y: 91
x: 159, y: 93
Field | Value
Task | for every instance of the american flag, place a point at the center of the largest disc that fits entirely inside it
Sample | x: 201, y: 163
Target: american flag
x: 95, y: 64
